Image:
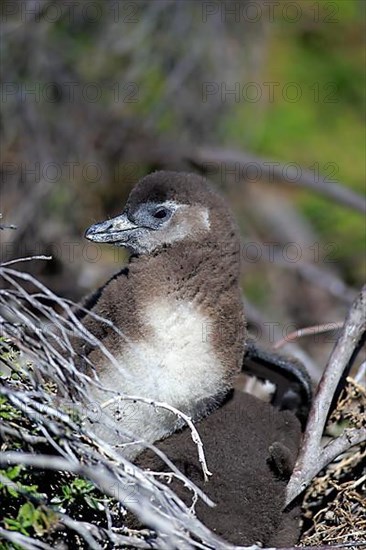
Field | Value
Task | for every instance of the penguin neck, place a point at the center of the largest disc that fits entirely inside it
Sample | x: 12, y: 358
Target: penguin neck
x: 194, y: 271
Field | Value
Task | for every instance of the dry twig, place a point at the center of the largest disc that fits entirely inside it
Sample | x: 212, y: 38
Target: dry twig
x: 314, y: 456
x: 307, y: 331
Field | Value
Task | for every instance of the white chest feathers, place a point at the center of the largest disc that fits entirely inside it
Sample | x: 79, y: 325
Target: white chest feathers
x: 175, y: 363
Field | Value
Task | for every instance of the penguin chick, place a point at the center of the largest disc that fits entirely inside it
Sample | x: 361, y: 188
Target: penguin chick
x: 177, y: 307
x: 250, y: 448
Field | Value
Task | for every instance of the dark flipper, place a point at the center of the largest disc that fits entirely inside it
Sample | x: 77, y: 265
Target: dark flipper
x: 293, y: 384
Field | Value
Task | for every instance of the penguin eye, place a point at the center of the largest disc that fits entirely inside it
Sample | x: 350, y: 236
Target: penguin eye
x: 160, y: 213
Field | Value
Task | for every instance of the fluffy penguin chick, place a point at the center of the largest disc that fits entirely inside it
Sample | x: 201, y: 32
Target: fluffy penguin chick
x: 250, y: 448
x: 177, y: 307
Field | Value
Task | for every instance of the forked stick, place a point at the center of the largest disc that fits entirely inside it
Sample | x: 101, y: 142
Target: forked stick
x: 313, y: 456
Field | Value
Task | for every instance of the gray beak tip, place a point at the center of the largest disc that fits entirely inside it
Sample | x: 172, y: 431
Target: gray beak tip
x: 98, y: 231
x: 116, y: 230
x: 89, y: 234
x: 92, y: 232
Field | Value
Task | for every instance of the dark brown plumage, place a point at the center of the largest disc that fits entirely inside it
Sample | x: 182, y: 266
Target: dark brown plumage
x: 250, y: 448
x: 178, y: 303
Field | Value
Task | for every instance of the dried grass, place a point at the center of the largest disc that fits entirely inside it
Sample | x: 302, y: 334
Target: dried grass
x: 334, y: 507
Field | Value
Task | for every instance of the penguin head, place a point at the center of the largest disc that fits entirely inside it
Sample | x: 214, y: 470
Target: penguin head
x: 164, y: 208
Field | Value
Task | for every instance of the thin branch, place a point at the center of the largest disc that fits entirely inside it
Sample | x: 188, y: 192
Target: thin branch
x: 195, y: 435
x: 307, y: 331
x: 27, y: 259
x: 341, y: 444
x: 313, y: 457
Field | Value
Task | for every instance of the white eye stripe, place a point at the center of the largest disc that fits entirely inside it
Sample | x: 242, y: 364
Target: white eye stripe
x: 171, y: 205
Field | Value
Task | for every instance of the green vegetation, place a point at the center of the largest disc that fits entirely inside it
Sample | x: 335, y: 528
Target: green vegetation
x: 325, y: 63
x: 32, y: 498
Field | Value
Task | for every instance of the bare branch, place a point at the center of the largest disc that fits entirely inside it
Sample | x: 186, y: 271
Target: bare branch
x: 313, y: 457
x: 349, y: 438
x: 209, y: 158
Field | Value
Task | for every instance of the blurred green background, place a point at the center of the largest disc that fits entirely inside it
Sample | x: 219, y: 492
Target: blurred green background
x: 97, y: 94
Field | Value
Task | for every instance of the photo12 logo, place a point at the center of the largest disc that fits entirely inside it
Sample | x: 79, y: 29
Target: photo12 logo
x: 271, y: 91
x: 69, y: 92
x: 270, y: 11
x: 69, y: 11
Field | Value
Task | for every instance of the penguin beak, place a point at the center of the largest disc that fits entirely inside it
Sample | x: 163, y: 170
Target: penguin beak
x: 117, y: 230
